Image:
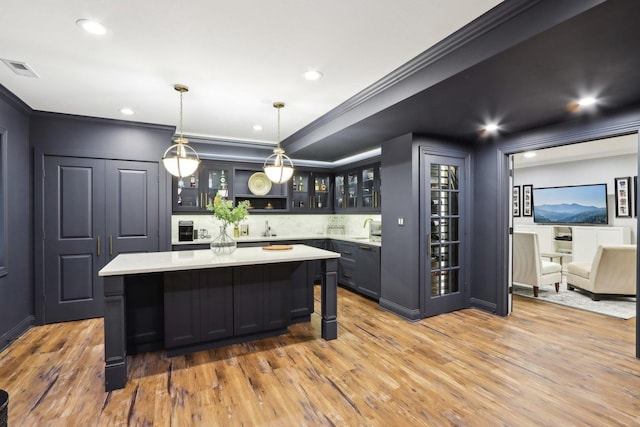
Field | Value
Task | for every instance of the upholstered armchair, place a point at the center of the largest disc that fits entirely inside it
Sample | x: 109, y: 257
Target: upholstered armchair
x: 528, y: 266
x: 611, y: 273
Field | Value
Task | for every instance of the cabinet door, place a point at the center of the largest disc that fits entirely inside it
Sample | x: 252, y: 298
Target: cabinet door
x: 218, y: 180
x: 353, y: 189
x: 248, y: 299
x: 368, y: 188
x: 340, y: 201
x: 182, y: 324
x: 368, y: 271
x: 276, y: 296
x: 187, y: 193
x: 301, y: 191
x: 216, y: 302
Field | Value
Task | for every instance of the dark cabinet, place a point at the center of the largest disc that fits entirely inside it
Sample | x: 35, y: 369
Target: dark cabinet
x: 358, y: 190
x: 193, y: 193
x: 367, y: 273
x: 260, y: 298
x: 210, y: 305
x: 197, y: 307
x: 303, y: 277
x: 359, y: 267
x: 310, y: 192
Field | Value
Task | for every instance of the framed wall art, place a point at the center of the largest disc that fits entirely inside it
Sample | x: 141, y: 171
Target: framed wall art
x: 622, y: 193
x: 516, y: 200
x: 527, y: 200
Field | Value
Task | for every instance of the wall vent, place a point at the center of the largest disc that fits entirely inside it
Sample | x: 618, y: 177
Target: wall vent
x: 20, y: 68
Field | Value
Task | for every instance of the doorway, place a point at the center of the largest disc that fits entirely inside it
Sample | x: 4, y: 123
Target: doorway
x: 594, y: 162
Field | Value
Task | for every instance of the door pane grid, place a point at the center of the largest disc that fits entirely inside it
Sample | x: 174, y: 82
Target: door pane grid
x: 444, y: 236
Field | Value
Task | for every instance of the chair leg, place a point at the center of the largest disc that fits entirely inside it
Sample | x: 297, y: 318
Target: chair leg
x: 557, y: 287
x: 535, y: 291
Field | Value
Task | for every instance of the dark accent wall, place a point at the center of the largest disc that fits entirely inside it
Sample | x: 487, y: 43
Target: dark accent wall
x: 400, y: 254
x: 399, y: 291
x: 16, y: 287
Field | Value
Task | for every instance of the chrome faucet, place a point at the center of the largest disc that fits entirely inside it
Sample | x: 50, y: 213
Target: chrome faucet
x: 366, y: 221
x: 265, y: 233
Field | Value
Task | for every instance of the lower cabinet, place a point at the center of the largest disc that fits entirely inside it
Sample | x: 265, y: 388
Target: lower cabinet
x: 359, y: 267
x: 203, y: 306
x: 260, y: 298
x: 198, y: 307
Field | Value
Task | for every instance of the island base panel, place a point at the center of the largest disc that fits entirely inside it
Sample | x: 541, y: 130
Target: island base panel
x: 329, y: 299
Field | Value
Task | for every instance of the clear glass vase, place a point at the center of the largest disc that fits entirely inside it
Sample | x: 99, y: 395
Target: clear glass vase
x: 223, y: 244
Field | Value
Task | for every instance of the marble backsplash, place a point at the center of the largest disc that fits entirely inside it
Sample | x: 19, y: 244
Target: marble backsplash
x: 285, y: 225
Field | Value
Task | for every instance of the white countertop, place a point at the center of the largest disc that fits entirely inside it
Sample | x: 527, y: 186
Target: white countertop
x: 277, y: 238
x: 152, y: 262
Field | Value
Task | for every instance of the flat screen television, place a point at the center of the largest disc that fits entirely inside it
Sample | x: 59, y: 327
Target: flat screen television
x: 575, y: 204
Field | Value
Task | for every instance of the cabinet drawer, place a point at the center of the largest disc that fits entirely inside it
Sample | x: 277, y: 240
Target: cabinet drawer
x: 347, y: 274
x: 347, y: 250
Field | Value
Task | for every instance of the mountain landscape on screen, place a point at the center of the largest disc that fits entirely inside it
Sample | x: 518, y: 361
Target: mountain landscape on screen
x: 570, y: 214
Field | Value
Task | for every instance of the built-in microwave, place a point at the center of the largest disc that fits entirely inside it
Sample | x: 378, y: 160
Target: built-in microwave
x: 185, y: 231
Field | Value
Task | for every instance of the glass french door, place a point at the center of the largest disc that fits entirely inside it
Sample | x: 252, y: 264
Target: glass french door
x: 444, y: 281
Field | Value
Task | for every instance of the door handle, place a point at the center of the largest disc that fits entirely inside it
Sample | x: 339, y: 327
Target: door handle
x: 98, y: 245
x: 110, y: 245
x: 201, y: 205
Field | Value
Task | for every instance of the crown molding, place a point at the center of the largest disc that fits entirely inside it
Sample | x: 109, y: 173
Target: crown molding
x: 12, y: 99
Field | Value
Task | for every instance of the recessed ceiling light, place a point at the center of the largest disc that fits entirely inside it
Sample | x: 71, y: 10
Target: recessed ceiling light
x: 92, y: 27
x: 312, y: 75
x: 529, y: 154
x: 491, y: 127
x: 126, y: 111
x: 587, y: 101
x: 257, y: 127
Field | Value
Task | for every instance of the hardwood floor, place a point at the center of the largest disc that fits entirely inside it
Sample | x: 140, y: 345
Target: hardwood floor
x: 544, y: 365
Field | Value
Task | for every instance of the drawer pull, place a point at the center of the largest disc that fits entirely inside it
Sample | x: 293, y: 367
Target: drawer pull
x: 366, y: 248
x: 348, y: 276
x: 346, y: 252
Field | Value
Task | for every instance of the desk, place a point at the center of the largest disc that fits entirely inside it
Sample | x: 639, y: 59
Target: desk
x: 140, y: 292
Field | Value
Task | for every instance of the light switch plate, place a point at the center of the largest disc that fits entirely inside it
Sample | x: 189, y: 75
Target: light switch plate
x: 400, y: 221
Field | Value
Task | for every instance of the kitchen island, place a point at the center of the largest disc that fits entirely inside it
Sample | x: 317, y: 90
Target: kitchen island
x: 186, y: 301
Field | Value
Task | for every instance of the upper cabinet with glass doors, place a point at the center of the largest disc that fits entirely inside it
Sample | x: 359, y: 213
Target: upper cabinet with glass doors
x: 358, y: 190
x: 310, y: 192
x: 193, y: 193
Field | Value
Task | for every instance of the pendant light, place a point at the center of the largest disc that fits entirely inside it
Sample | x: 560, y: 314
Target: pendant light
x: 180, y: 159
x: 278, y: 167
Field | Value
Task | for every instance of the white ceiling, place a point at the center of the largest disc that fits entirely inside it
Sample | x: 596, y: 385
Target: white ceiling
x: 607, y: 147
x: 237, y: 57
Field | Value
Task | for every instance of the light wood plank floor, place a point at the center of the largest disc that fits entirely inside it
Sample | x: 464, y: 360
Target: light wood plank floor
x: 544, y: 365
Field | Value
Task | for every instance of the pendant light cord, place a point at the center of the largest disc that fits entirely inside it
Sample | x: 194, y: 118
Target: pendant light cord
x: 181, y: 115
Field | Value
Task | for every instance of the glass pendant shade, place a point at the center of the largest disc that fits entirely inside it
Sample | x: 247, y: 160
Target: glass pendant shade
x: 180, y: 160
x: 278, y: 167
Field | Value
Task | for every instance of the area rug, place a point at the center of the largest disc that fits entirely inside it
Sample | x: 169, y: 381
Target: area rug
x: 620, y: 307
